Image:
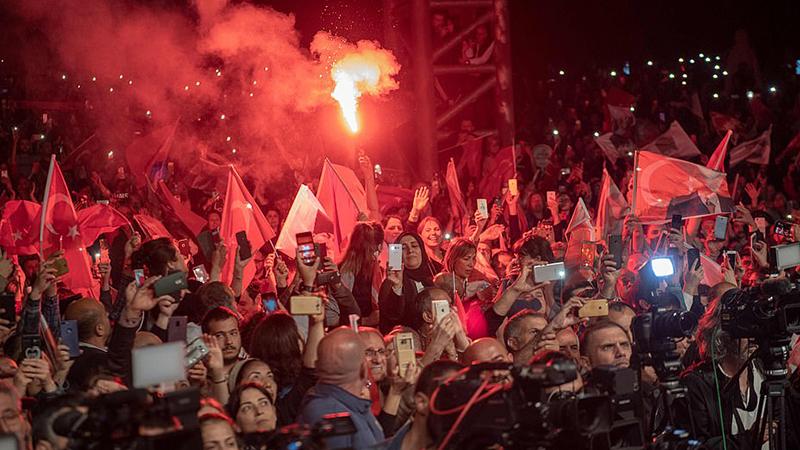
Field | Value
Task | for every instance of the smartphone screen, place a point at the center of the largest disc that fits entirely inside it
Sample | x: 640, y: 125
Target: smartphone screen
x: 721, y: 227
x: 200, y: 273
x: 692, y: 256
x: 483, y: 207
x: 270, y: 302
x: 395, y: 257
x: 513, y: 189
x: 138, y: 275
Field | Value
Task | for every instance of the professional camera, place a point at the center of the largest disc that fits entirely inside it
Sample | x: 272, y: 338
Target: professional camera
x: 769, y: 310
x: 115, y: 420
x: 517, y: 413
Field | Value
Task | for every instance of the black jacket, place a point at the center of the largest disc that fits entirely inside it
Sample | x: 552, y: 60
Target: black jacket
x: 702, y: 405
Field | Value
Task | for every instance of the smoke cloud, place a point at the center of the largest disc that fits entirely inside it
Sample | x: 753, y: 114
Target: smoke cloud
x: 234, y: 75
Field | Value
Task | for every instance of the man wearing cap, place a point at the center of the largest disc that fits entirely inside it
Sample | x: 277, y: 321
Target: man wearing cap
x: 342, y: 379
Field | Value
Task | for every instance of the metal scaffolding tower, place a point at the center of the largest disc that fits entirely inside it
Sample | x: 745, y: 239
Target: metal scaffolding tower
x: 495, y: 76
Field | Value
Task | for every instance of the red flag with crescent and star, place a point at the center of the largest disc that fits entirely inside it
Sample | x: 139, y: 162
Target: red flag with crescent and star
x: 669, y: 186
x: 241, y: 213
x: 59, y: 230
x: 18, y: 227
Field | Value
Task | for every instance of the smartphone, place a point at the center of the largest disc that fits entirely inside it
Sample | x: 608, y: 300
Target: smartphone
x: 138, y: 275
x: 171, y: 285
x: 32, y: 346
x: 184, y: 249
x: 158, y: 364
x: 594, y: 308
x: 8, y: 303
x: 731, y: 255
x: 69, y: 337
x: 305, y: 246
x: 441, y: 308
x: 245, y: 250
x: 321, y: 249
x: 406, y: 353
x: 588, y: 254
x: 797, y: 66
x: 677, y: 222
x: 549, y: 272
x: 200, y: 273
x: 270, y: 302
x: 783, y: 228
x: 692, y: 258
x: 483, y: 207
x: 720, y: 227
x: 551, y: 197
x: 305, y: 305
x: 513, y: 189
x: 615, y: 249
x: 61, y: 267
x: 378, y: 170
x: 176, y: 329
x: 565, y: 171
x: 395, y: 257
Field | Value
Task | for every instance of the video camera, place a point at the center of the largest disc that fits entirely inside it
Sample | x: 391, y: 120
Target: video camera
x: 771, y: 309
x: 117, y: 419
x: 517, y: 413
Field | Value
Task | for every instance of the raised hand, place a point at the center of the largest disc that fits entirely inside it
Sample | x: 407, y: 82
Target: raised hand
x: 421, y: 199
x: 132, y: 244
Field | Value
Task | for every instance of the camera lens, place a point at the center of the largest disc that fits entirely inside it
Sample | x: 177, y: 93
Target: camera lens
x: 673, y: 323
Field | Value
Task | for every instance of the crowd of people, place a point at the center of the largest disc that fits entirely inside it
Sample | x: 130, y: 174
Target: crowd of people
x: 464, y: 293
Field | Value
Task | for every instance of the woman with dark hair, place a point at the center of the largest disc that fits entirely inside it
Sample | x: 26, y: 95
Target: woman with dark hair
x: 360, y: 270
x: 400, y: 288
x: 158, y: 257
x: 277, y: 342
x: 252, y: 407
x: 716, y: 411
x: 430, y: 230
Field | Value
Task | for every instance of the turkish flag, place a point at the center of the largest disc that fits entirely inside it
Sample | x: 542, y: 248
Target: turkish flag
x: 668, y: 186
x: 343, y: 197
x: 579, y: 231
x: 18, y: 232
x: 241, y: 213
x: 59, y: 230
x: 192, y: 221
x: 152, y: 227
x: 717, y: 160
x: 754, y: 151
x: 306, y: 214
x: 454, y: 189
x: 98, y: 219
x: 611, y: 208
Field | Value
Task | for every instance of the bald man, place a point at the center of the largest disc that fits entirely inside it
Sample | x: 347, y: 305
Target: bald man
x: 342, y: 375
x: 146, y: 339
x: 486, y: 350
x: 94, y: 332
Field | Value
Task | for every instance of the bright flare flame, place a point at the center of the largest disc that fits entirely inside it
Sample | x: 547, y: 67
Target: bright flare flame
x: 361, y: 69
x: 347, y: 89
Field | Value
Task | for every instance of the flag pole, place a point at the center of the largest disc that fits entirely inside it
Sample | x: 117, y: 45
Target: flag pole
x: 635, y: 181
x: 44, y: 204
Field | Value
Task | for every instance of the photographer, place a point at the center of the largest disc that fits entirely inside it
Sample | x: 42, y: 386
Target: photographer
x: 720, y: 414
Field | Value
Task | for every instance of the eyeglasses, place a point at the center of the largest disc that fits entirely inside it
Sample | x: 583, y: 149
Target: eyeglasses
x: 371, y: 353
